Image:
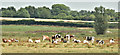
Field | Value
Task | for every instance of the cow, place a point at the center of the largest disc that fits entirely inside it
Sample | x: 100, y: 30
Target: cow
x: 30, y: 40
x: 68, y: 37
x: 88, y: 38
x: 112, y: 41
x: 100, y: 41
x: 55, y: 41
x: 56, y: 37
x: 64, y: 41
x: 4, y: 40
x: 14, y: 40
x: 37, y: 41
x: 76, y: 41
x: 46, y: 38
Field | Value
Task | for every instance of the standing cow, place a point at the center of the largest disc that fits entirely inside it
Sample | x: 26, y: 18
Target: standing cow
x: 68, y: 37
x: 46, y: 38
x: 88, y: 38
x: 56, y: 37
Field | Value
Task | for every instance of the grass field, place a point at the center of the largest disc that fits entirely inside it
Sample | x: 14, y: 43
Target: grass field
x: 22, y: 32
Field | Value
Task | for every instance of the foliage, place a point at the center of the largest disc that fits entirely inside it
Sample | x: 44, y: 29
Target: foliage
x: 101, y: 20
x: 22, y: 12
x: 57, y: 11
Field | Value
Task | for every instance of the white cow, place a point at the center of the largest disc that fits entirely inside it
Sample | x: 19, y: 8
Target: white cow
x: 30, y: 40
x: 37, y: 41
x: 112, y: 41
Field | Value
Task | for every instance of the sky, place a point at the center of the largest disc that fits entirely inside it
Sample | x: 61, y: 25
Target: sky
x: 81, y: 5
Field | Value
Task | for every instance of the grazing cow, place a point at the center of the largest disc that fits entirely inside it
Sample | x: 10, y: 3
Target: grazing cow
x: 76, y: 41
x: 4, y: 40
x: 90, y: 39
x: 30, y: 40
x: 100, y: 41
x: 57, y: 36
x: 37, y: 41
x: 112, y: 41
x: 14, y: 40
x: 69, y: 37
x: 45, y: 38
x: 64, y: 41
x: 9, y: 40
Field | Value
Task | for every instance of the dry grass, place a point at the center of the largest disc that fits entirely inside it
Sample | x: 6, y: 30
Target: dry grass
x: 57, y: 48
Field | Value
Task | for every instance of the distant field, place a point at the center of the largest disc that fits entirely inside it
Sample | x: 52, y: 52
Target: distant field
x: 22, y: 32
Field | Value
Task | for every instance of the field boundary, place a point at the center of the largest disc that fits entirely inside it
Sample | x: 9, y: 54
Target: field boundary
x: 51, y: 20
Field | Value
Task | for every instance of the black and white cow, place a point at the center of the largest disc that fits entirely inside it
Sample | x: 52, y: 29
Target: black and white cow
x: 76, y: 41
x: 64, y: 41
x: 56, y: 37
x: 100, y: 41
x: 112, y: 41
x: 68, y: 37
x: 88, y: 38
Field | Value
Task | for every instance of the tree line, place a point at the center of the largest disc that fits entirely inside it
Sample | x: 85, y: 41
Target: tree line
x: 58, y: 23
x: 58, y: 11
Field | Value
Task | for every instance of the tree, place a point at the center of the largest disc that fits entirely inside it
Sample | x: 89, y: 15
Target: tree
x: 43, y: 12
x: 101, y: 20
x: 2, y: 9
x: 62, y: 15
x: 59, y: 8
x: 31, y: 10
x: 74, y: 13
x: 9, y: 12
x: 6, y: 13
x: 22, y: 12
x: 11, y: 9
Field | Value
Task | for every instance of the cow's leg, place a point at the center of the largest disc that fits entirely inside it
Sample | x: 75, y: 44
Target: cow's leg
x: 68, y: 39
x: 92, y: 41
x: 44, y: 38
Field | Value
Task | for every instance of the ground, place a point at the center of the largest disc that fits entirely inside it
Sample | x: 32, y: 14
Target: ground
x: 22, y: 32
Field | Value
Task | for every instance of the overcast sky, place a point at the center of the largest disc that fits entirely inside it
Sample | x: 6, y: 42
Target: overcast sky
x: 81, y: 5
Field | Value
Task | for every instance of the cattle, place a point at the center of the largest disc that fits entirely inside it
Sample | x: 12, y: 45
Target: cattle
x: 64, y: 41
x: 100, y: 41
x: 112, y: 41
x: 37, y: 41
x: 68, y: 37
x: 54, y: 41
x: 9, y: 40
x: 88, y: 38
x: 45, y: 38
x: 57, y: 36
x: 76, y: 41
x: 14, y: 40
x: 30, y: 40
x: 4, y: 40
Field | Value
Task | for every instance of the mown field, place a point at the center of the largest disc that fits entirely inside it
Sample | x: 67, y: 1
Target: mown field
x: 22, y: 32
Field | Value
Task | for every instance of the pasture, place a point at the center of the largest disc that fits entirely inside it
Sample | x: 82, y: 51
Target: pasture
x: 22, y: 32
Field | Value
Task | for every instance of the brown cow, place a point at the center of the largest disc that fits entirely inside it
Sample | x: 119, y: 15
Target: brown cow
x: 45, y: 38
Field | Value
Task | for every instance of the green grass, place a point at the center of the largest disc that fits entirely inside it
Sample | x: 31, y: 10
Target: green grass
x: 18, y: 31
